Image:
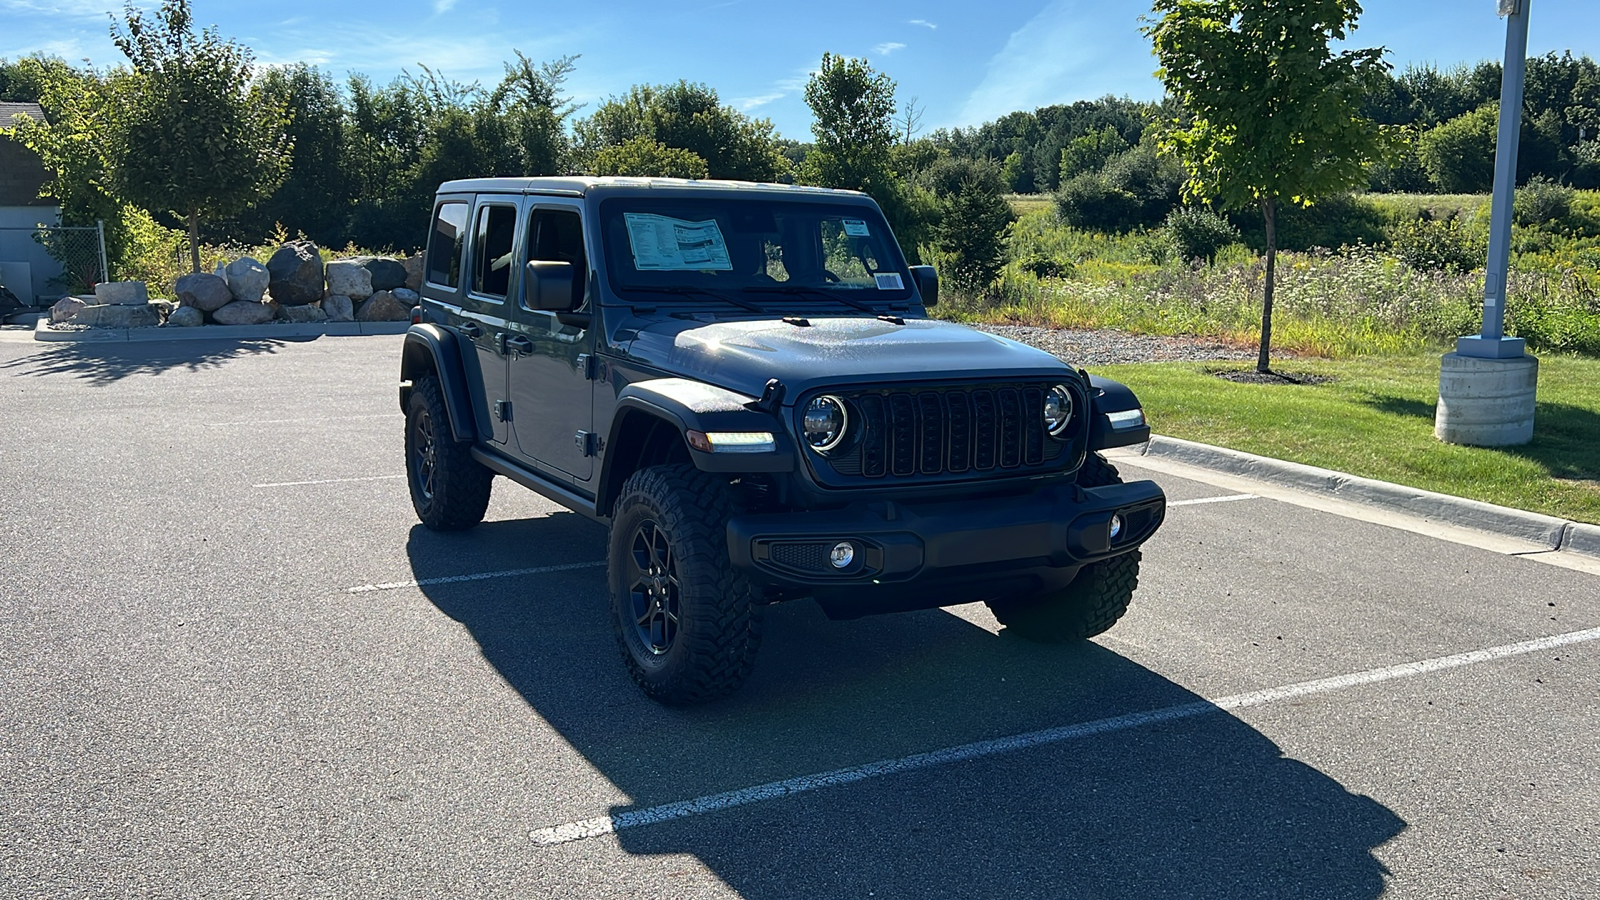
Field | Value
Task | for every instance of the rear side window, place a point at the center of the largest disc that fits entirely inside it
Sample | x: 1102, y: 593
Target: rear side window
x: 491, y: 250
x: 444, y: 245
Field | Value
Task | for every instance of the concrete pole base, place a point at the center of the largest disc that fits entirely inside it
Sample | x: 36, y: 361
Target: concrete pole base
x: 1486, y: 402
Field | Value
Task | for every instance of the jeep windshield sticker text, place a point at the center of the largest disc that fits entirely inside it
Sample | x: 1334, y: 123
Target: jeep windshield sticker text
x: 889, y: 281
x: 662, y: 243
x: 855, y: 228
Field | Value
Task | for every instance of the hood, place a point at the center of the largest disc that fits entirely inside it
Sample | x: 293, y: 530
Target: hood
x: 742, y: 355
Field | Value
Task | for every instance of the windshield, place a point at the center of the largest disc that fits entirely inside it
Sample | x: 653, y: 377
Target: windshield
x: 755, y: 249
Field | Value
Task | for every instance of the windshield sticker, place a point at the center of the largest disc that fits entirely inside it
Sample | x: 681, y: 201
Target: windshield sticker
x: 889, y: 281
x: 855, y: 227
x: 662, y: 243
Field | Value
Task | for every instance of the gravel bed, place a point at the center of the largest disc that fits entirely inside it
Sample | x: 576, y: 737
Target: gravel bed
x: 1106, y: 347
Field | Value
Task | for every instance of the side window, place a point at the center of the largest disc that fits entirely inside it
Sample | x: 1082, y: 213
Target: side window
x: 444, y: 244
x: 491, y: 250
x: 556, y: 235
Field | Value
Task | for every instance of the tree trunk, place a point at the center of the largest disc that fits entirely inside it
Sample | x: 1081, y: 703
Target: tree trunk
x: 1268, y: 212
x: 194, y: 239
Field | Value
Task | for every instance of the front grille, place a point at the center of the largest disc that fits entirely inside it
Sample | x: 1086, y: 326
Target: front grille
x: 951, y: 431
x: 802, y: 557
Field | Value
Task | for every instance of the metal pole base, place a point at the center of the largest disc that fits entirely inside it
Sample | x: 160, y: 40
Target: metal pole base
x: 1486, y: 402
x: 1491, y: 348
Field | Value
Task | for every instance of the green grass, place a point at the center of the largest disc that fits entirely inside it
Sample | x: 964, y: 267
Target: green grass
x: 1375, y: 419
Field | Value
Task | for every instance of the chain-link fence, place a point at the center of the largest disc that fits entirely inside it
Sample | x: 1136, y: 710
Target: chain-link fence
x: 49, y: 261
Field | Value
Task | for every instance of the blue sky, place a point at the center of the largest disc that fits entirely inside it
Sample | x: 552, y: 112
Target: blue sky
x: 967, y: 62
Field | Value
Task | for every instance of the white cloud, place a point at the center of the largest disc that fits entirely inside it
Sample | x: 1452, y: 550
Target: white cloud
x: 923, y: 22
x: 1072, y: 50
x: 443, y: 6
x: 745, y: 104
x: 887, y: 47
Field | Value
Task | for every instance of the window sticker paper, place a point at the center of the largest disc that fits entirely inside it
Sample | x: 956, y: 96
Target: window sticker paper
x: 665, y: 244
x: 855, y: 227
x: 889, y: 281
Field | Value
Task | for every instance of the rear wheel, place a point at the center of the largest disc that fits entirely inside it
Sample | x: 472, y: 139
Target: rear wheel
x: 449, y: 489
x: 1092, y: 602
x: 686, y: 622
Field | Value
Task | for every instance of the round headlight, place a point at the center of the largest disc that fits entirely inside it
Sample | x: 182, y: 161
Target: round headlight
x: 1057, y: 410
x: 825, y: 422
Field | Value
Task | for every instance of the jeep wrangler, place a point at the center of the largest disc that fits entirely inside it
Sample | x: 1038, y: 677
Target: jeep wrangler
x: 742, y: 382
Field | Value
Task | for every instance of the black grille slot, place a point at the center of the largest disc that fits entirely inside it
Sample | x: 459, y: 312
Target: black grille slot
x: 1010, y: 428
x: 903, y: 433
x: 802, y: 557
x: 1033, y: 422
x: 960, y: 419
x: 988, y: 430
x: 931, y: 412
x: 874, y: 455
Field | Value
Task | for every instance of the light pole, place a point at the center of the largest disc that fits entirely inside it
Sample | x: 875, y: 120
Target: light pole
x: 1487, y: 387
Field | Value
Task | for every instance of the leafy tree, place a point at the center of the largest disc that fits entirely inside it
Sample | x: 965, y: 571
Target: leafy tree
x: 648, y: 158
x: 688, y: 117
x: 1274, y: 114
x: 316, y: 195
x: 1018, y: 178
x: 972, y: 217
x: 854, y: 109
x: 191, y: 135
x: 1090, y: 152
x: 1459, y: 155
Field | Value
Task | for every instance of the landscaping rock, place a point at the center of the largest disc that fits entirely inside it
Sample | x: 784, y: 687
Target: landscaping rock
x: 339, y: 308
x: 247, y: 279
x: 186, y: 317
x: 350, y: 278
x: 387, y: 274
x: 413, y: 266
x: 207, y: 293
x: 65, y: 309
x: 121, y: 293
x: 302, y: 314
x: 407, y: 296
x: 108, y: 315
x: 383, y: 307
x: 296, y: 274
x: 242, y: 312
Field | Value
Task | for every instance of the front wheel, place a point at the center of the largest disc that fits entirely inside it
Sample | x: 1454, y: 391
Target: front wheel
x: 686, y: 622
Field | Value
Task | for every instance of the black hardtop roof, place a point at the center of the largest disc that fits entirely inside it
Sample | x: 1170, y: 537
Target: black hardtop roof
x: 588, y: 185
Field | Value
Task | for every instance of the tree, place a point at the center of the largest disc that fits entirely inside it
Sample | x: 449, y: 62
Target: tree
x: 972, y: 220
x: 646, y: 158
x: 1273, y: 115
x: 316, y: 195
x: 687, y: 117
x: 854, y: 109
x: 191, y: 135
x: 1090, y: 152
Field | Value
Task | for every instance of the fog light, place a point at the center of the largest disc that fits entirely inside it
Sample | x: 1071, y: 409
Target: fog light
x: 1116, y: 527
x: 844, y: 553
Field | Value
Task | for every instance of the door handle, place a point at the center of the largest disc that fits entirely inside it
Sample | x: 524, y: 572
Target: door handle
x: 519, y: 344
x: 471, y: 329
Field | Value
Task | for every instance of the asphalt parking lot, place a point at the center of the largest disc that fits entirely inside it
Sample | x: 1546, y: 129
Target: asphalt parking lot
x: 233, y: 665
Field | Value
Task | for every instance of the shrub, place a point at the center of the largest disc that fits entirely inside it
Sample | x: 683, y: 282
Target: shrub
x: 1198, y: 233
x: 1542, y: 200
x: 1436, y: 245
x: 1090, y: 201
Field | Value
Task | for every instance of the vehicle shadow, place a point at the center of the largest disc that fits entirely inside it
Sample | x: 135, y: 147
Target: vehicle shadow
x: 106, y: 363
x: 1205, y: 806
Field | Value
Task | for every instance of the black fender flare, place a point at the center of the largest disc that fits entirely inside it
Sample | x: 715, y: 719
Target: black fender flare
x: 433, y: 348
x: 1107, y: 396
x: 687, y: 405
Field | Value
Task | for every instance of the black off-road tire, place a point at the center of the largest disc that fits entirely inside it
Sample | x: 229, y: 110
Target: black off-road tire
x: 687, y: 623
x: 449, y: 489
x: 1095, y: 599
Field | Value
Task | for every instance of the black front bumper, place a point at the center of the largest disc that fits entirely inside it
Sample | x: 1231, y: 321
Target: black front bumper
x: 1061, y: 528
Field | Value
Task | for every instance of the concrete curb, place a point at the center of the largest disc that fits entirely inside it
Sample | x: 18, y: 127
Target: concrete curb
x: 42, y: 332
x: 1549, y: 531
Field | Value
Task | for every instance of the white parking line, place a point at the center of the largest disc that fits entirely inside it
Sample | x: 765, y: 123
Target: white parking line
x: 589, y: 828
x: 1225, y: 499
x: 278, y: 484
x: 476, y: 576
x: 393, y: 415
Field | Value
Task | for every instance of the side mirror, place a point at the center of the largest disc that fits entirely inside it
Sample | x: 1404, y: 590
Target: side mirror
x: 547, y: 285
x: 927, y: 282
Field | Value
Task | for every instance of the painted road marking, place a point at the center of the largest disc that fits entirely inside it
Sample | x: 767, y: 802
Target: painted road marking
x: 393, y: 415
x: 477, y: 576
x: 589, y: 828
x: 278, y: 484
x: 1224, y: 499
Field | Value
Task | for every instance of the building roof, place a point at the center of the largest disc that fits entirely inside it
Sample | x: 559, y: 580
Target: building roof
x: 9, y: 112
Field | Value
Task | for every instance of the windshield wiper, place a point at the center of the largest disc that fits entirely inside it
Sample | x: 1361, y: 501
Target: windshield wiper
x: 687, y: 291
x: 796, y: 290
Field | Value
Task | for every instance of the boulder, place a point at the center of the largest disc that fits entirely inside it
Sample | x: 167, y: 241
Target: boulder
x: 207, y: 293
x: 243, y: 312
x: 296, y: 274
x: 65, y: 309
x: 387, y: 274
x: 339, y: 308
x: 247, y: 279
x: 121, y: 293
x: 407, y: 296
x: 186, y: 317
x: 383, y: 307
x: 413, y: 266
x: 107, y: 315
x: 302, y: 314
x: 350, y: 278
